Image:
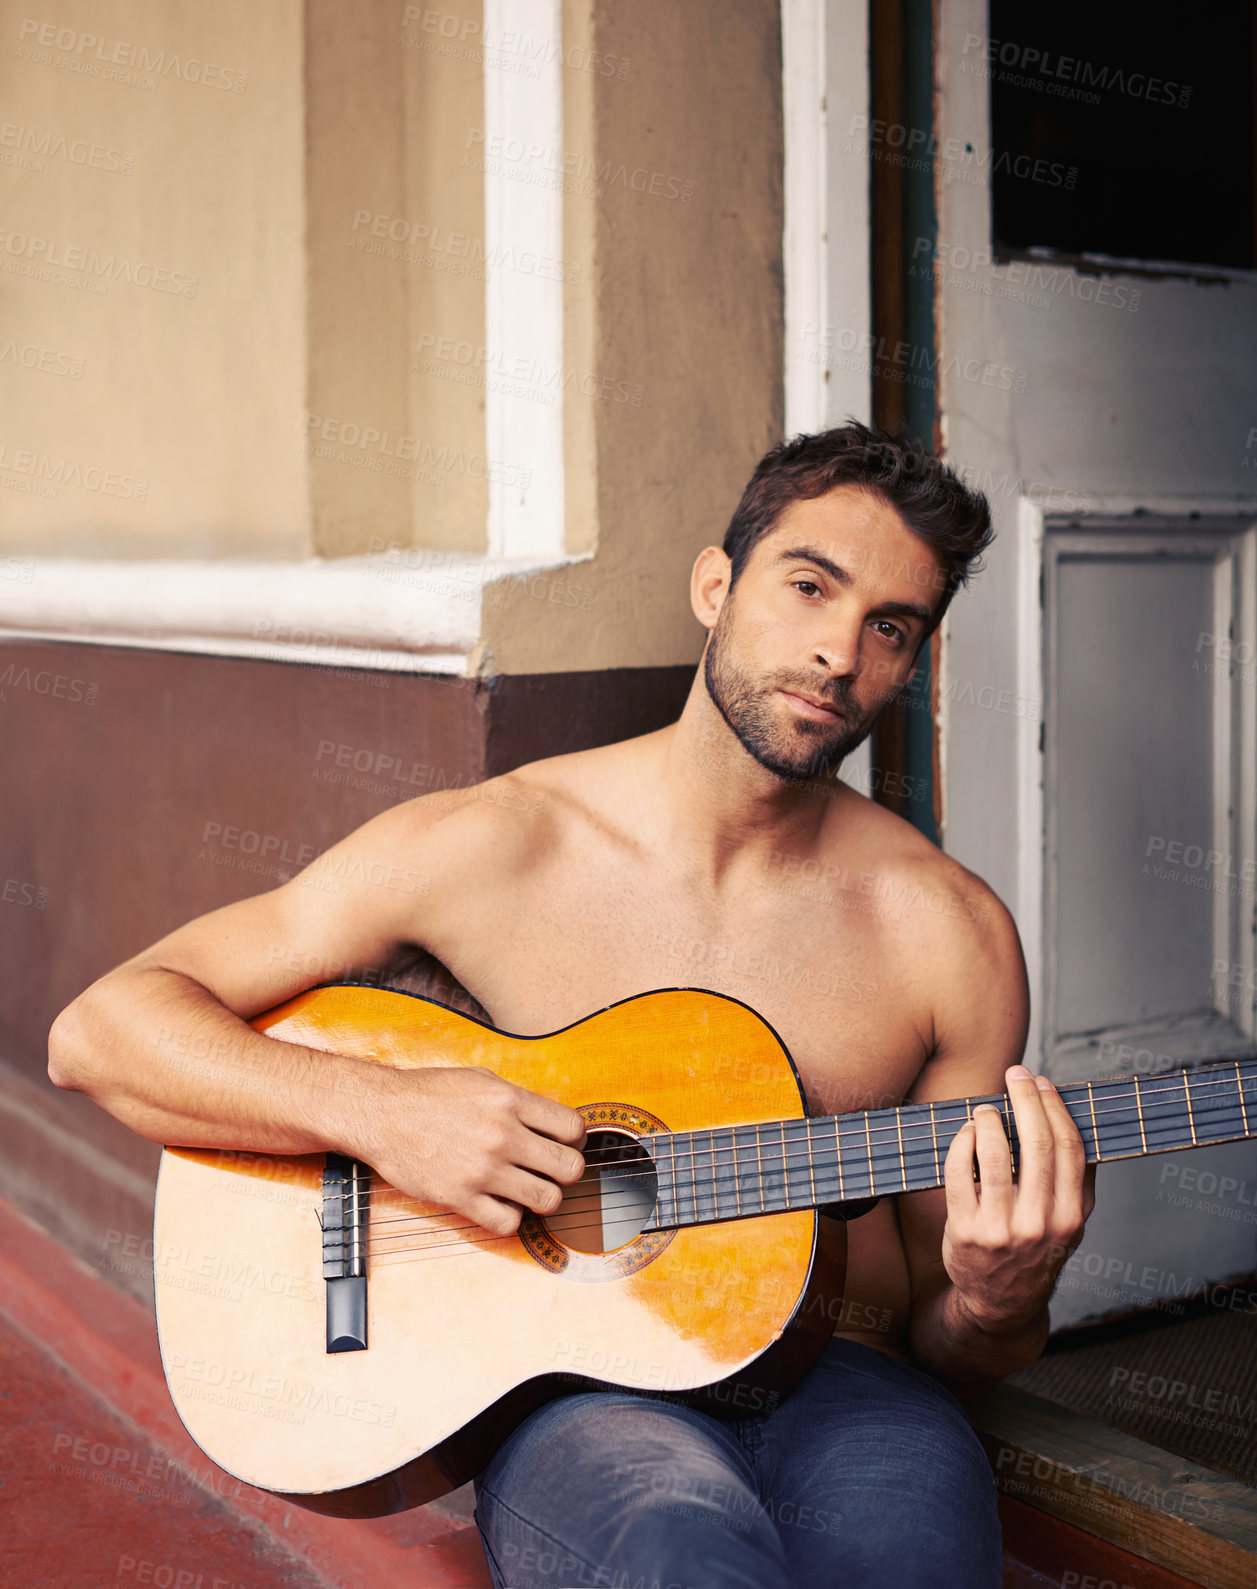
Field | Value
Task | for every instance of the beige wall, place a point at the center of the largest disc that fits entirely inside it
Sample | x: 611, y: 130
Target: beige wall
x: 683, y: 300
x: 285, y: 193
x: 179, y: 435
x: 396, y: 225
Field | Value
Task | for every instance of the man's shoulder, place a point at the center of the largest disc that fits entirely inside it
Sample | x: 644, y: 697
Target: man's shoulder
x: 583, y: 776
x: 959, y: 952
x: 913, y: 882
x: 522, y: 813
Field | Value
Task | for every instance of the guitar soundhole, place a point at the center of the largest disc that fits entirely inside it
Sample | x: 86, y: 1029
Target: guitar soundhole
x: 610, y: 1204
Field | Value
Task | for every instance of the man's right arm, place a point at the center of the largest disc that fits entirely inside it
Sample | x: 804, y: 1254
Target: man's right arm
x: 163, y: 1042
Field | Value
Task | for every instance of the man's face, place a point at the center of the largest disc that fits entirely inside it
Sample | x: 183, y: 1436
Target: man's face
x: 821, y: 631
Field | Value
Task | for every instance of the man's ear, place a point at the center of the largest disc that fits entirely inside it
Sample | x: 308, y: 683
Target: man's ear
x: 709, y: 584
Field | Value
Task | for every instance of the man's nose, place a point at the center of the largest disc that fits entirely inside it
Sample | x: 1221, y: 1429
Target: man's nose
x: 838, y: 649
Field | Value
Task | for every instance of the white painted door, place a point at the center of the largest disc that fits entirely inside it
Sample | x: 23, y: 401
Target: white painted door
x: 1099, y: 692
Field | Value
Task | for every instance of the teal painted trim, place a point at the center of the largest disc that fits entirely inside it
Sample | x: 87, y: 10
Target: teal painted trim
x: 920, y: 224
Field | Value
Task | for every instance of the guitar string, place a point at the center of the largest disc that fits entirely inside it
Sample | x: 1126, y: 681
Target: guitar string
x: 446, y: 1230
x: 807, y: 1152
x: 690, y: 1183
x: 415, y: 1252
x: 688, y: 1144
x: 922, y: 1142
x: 813, y: 1122
x: 427, y: 1251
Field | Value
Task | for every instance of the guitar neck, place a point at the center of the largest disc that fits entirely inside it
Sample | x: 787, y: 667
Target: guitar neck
x: 733, y: 1171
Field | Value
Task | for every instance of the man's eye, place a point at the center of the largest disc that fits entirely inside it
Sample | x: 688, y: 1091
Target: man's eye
x: 888, y: 630
x: 810, y: 583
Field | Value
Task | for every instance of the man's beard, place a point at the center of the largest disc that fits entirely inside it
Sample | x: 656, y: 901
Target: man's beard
x: 799, y: 750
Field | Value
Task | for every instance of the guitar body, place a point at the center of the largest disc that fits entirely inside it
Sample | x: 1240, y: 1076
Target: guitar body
x: 466, y: 1334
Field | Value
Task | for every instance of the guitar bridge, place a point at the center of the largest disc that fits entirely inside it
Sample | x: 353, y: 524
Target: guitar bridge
x: 346, y: 1195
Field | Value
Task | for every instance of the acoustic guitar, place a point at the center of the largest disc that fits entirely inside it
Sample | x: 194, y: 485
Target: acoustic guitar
x: 359, y: 1351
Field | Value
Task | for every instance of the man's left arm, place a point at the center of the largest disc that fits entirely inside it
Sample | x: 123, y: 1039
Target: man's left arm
x: 984, y: 1254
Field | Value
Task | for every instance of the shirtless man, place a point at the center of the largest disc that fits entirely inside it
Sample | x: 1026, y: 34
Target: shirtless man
x: 682, y: 857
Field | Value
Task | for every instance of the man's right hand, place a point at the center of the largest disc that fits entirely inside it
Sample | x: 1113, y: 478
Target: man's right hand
x: 163, y: 1041
x: 472, y: 1142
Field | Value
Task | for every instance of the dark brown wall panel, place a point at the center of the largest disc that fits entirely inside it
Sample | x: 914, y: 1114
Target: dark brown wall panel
x: 139, y: 789
x: 549, y: 714
x: 144, y: 788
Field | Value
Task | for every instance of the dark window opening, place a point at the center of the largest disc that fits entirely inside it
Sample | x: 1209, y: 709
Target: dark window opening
x: 1121, y: 130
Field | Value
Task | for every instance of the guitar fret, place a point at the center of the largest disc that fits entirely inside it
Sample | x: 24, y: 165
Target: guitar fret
x: 938, y: 1163
x: 1191, y: 1113
x: 690, y: 1175
x: 1121, y: 1119
x: 911, y: 1135
x: 827, y: 1159
x: 842, y: 1191
x: 868, y: 1138
x: 1239, y: 1083
x: 715, y: 1179
x: 1143, y: 1135
x: 755, y: 1169
x: 664, y: 1197
x: 796, y: 1163
x: 1095, y: 1129
x: 1225, y: 1111
x: 811, y: 1170
x: 859, y: 1155
x: 968, y: 1103
x: 1244, y: 1099
x: 1166, y: 1121
x: 737, y: 1173
x: 785, y: 1164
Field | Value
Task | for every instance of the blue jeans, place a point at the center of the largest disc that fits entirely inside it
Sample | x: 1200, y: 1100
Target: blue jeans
x: 868, y: 1476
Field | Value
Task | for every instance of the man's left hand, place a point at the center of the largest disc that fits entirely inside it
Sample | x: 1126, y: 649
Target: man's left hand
x: 1005, y: 1240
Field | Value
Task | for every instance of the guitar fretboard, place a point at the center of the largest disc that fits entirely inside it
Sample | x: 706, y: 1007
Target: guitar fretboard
x: 733, y: 1171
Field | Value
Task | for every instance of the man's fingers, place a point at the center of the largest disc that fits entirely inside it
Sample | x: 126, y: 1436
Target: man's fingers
x: 1036, y: 1141
x: 529, y: 1191
x: 1069, y: 1187
x: 1061, y: 1123
x: 995, y: 1166
x: 551, y: 1119
x: 548, y: 1158
x: 962, y: 1191
x: 498, y: 1218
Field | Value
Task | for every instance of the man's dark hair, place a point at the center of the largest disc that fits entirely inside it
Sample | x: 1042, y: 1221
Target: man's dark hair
x: 930, y: 498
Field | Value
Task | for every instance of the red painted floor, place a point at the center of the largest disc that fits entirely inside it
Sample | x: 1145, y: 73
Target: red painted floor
x: 88, y: 1501
x: 100, y: 1484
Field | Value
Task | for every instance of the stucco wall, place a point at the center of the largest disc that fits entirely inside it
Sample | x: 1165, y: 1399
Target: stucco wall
x: 682, y: 312
x: 153, y: 249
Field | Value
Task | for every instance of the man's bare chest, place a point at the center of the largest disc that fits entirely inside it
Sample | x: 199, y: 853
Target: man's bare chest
x: 837, y: 991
